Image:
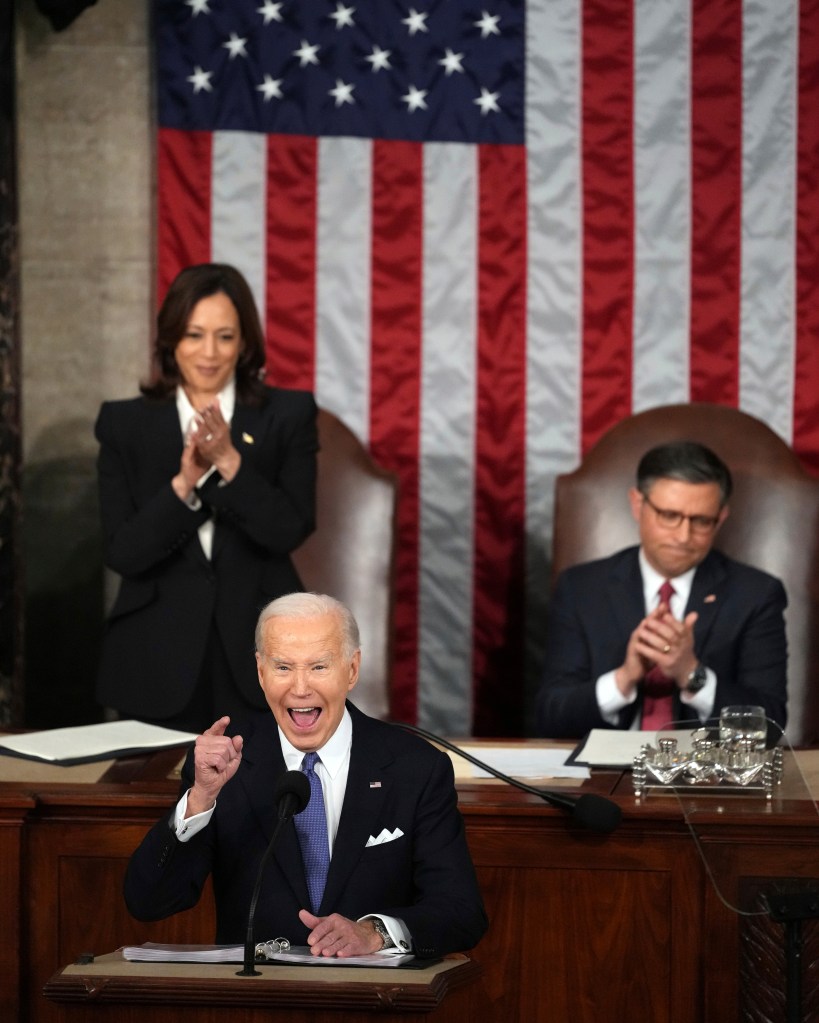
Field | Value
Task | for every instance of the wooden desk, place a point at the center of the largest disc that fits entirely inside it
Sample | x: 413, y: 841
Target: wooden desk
x: 622, y: 927
x: 111, y: 989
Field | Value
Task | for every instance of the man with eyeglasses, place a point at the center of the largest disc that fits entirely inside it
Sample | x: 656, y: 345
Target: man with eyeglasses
x: 672, y: 630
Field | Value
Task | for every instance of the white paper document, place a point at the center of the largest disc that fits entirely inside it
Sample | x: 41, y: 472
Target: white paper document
x: 519, y: 762
x: 93, y: 742
x: 612, y: 747
x: 151, y: 952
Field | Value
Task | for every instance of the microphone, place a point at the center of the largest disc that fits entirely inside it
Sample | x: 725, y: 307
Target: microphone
x: 291, y: 795
x: 589, y: 810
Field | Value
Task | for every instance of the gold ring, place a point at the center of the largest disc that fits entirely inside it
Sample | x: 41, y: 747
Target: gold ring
x: 666, y: 648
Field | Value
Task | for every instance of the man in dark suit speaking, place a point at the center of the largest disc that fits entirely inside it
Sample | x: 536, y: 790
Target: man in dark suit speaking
x: 672, y: 630
x: 382, y: 865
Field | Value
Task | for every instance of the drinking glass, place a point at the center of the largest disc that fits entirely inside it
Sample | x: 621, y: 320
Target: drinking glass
x: 742, y: 722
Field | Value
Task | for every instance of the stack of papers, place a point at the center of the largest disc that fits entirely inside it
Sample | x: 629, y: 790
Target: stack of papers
x: 84, y: 743
x: 612, y: 747
x: 151, y: 952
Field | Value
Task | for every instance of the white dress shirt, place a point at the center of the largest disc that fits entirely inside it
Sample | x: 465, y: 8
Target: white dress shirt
x: 609, y: 698
x: 187, y: 420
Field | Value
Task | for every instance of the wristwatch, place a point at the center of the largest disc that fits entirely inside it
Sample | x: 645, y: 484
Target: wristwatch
x: 696, y: 680
x: 382, y: 930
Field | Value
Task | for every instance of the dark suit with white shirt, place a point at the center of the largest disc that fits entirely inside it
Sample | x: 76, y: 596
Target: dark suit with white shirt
x: 739, y: 635
x: 423, y: 876
x: 171, y: 595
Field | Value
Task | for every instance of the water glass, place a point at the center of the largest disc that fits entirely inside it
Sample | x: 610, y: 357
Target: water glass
x: 742, y: 722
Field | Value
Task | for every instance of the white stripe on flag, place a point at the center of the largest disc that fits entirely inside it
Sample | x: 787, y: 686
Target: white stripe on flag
x: 554, y: 282
x: 238, y: 206
x: 447, y: 438
x: 767, y: 318
x: 662, y: 203
x: 343, y: 283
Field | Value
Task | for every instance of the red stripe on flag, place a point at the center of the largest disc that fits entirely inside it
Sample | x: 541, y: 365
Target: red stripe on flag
x: 290, y: 286
x: 608, y: 216
x: 183, y: 202
x: 395, y: 365
x: 716, y: 199
x: 500, y: 457
x: 806, y: 405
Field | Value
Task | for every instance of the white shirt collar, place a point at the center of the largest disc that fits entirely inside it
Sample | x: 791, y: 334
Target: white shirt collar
x: 334, y: 754
x: 652, y: 581
x: 227, y: 403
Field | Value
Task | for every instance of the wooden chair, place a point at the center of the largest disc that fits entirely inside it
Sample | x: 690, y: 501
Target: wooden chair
x: 774, y: 520
x: 351, y: 554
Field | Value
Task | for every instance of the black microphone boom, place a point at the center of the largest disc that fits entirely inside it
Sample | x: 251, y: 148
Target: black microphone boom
x: 291, y: 795
x: 592, y: 811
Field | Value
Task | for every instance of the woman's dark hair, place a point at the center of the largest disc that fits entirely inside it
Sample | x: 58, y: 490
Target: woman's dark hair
x: 188, y: 288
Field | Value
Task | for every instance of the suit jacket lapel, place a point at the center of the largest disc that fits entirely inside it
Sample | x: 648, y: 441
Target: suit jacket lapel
x: 363, y: 803
x: 707, y: 591
x: 246, y: 431
x: 627, y: 599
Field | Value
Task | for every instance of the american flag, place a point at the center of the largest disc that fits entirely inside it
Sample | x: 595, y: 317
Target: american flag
x: 483, y: 231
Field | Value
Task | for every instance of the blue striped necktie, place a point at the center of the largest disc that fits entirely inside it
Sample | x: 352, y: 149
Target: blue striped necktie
x: 311, y: 826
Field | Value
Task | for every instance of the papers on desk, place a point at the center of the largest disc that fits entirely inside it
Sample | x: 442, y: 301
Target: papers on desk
x: 518, y: 762
x: 151, y: 952
x: 612, y: 747
x: 84, y: 743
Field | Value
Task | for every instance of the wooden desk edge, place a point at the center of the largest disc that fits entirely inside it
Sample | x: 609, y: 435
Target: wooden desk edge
x: 112, y: 980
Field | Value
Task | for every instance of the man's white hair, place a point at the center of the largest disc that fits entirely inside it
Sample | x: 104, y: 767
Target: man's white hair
x: 308, y: 606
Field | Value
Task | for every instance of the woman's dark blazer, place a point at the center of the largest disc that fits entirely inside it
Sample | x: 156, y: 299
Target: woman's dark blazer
x: 170, y: 594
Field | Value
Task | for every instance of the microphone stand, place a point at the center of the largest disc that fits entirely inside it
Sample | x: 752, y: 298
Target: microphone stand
x: 292, y: 795
x: 250, y: 944
x: 590, y: 810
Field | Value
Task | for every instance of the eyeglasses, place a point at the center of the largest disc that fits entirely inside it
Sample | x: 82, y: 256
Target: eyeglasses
x: 672, y: 519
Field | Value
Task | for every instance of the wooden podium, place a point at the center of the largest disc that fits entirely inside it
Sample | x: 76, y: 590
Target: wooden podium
x: 111, y: 989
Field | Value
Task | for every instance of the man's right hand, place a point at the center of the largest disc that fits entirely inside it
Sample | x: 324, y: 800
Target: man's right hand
x: 216, y: 759
x: 636, y: 665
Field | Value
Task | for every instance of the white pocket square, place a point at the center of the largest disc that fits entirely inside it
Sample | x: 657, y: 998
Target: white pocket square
x: 385, y: 836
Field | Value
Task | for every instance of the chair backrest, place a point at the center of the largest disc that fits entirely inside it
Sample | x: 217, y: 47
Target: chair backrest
x: 774, y: 520
x: 351, y: 554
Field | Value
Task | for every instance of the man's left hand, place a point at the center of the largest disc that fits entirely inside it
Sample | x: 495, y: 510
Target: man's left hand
x: 335, y: 935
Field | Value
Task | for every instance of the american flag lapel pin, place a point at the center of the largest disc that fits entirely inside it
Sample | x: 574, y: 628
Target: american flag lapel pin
x: 375, y: 784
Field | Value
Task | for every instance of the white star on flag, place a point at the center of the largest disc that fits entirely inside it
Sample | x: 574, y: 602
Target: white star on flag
x: 270, y: 11
x: 270, y: 88
x: 343, y: 16
x: 415, y: 99
x: 451, y: 62
x: 487, y: 101
x: 380, y: 59
x: 200, y: 80
x: 415, y: 21
x: 198, y: 7
x: 488, y: 24
x: 306, y: 54
x: 235, y: 46
x: 342, y: 93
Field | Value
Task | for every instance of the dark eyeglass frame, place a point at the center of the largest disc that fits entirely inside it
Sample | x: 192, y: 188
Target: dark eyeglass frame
x: 669, y: 519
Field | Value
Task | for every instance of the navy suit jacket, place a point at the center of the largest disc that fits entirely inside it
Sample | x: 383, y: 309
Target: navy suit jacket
x: 170, y: 594
x: 739, y: 634
x: 395, y: 780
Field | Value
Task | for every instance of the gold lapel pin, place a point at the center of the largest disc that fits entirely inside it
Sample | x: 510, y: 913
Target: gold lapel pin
x: 247, y: 438
x: 710, y: 598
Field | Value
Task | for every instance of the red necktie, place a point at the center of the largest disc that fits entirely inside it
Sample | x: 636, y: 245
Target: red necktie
x: 658, y: 704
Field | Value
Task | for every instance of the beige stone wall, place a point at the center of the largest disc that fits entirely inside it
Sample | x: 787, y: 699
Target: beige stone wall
x: 85, y: 160
x: 85, y: 177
